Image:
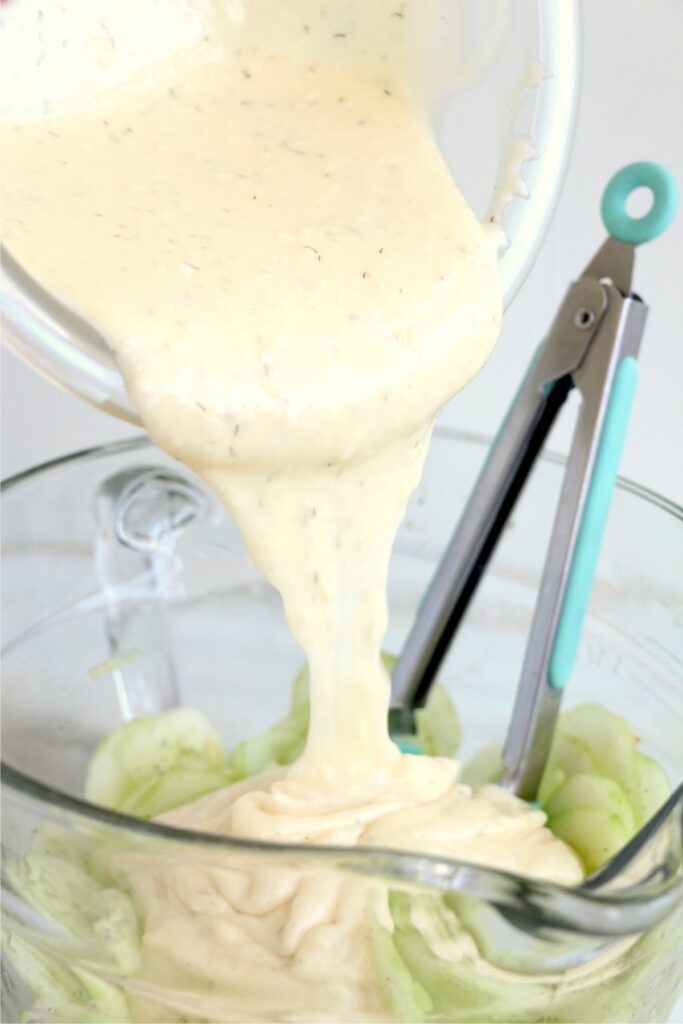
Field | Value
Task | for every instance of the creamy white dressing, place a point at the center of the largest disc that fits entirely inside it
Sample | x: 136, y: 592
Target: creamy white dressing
x: 293, y: 286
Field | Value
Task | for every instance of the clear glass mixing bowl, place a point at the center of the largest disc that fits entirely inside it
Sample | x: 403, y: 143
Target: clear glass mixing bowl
x: 127, y: 589
x: 517, y: 73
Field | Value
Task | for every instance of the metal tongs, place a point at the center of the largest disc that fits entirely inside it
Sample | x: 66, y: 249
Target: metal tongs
x: 592, y: 346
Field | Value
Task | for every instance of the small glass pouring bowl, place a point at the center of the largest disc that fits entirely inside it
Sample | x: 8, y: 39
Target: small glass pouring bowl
x: 127, y: 590
x: 517, y: 72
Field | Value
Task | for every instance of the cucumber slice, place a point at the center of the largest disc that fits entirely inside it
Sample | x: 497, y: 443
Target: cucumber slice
x: 593, y: 834
x: 185, y: 782
x: 595, y: 766
x: 57, y: 880
x: 279, y: 745
x: 107, y: 1001
x: 459, y: 990
x: 553, y: 777
x: 405, y: 998
x: 611, y: 742
x: 569, y: 755
x: 146, y: 749
x: 437, y: 726
x: 484, y: 768
x: 653, y: 789
x: 62, y: 995
x: 595, y: 793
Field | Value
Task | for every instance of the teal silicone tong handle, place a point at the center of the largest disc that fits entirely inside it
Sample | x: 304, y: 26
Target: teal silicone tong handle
x: 582, y: 571
x: 632, y: 231
x: 636, y: 230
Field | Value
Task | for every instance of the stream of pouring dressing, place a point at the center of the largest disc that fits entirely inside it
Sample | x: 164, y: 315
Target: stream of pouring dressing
x: 293, y: 287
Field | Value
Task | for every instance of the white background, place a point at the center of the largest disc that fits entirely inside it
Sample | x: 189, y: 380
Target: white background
x: 630, y: 109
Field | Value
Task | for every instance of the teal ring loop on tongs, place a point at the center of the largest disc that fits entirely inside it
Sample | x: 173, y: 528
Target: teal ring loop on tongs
x: 636, y: 230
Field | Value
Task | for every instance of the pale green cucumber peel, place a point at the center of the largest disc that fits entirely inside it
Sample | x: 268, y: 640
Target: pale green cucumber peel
x: 611, y: 743
x: 66, y: 877
x: 458, y: 990
x: 591, y: 791
x: 131, y: 762
x: 484, y: 768
x: 64, y: 995
x: 653, y: 789
x: 405, y: 998
x: 594, y: 834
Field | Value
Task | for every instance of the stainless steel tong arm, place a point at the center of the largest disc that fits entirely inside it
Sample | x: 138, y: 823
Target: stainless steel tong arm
x: 415, y: 669
x: 591, y: 346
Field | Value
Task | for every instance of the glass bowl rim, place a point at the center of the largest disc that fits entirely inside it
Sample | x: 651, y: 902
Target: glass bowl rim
x: 442, y: 432
x: 586, y: 908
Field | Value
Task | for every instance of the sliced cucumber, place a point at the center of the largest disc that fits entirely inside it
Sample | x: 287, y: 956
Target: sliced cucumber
x: 569, y: 755
x: 611, y: 742
x: 62, y: 995
x: 595, y: 766
x: 653, y: 789
x: 595, y: 793
x: 459, y: 989
x: 437, y: 725
x: 147, y: 748
x: 593, y: 834
x: 553, y: 777
x: 185, y: 782
x: 404, y: 996
x: 484, y: 768
x: 281, y: 744
x: 107, y: 1001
